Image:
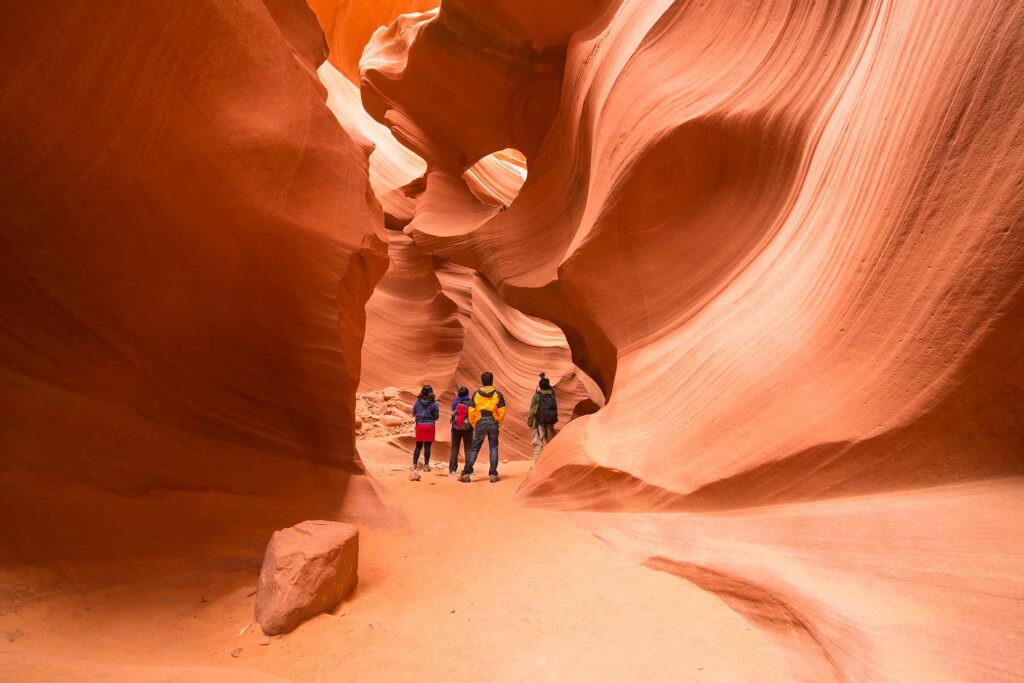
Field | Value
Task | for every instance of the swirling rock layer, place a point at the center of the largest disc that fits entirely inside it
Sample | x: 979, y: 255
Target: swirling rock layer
x: 432, y: 322
x: 348, y: 24
x: 786, y: 239
x: 515, y: 347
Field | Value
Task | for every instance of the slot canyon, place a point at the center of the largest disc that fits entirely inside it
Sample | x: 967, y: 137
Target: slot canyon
x: 769, y: 253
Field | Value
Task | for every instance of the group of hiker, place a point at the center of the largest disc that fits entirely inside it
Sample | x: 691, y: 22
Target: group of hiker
x: 478, y: 417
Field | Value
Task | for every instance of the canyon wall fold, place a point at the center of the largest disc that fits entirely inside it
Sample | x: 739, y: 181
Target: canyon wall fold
x: 434, y: 322
x: 348, y: 24
x: 430, y: 321
x: 188, y: 241
x: 786, y: 240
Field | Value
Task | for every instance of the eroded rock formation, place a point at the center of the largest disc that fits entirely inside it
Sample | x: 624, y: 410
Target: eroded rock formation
x: 348, y: 24
x: 783, y: 237
x: 515, y: 347
x: 307, y: 569
x: 430, y: 321
x: 188, y: 241
x: 434, y: 322
x: 786, y: 239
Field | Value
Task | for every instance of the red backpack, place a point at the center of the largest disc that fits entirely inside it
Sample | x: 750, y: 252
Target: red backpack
x: 460, y: 420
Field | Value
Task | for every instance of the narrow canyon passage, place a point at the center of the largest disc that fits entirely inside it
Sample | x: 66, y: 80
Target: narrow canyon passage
x: 770, y: 253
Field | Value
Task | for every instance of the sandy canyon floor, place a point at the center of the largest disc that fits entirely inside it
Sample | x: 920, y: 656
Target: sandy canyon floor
x: 467, y: 585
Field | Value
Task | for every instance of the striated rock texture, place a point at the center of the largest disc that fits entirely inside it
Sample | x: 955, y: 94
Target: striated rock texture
x: 786, y: 239
x: 348, y: 24
x: 430, y: 321
x: 497, y: 178
x: 414, y: 336
x: 515, y: 347
x: 783, y: 237
x: 307, y: 570
x: 441, y: 324
x: 395, y: 172
x: 187, y: 241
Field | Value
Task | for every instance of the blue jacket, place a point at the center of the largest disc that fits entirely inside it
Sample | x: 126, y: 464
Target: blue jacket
x: 425, y: 412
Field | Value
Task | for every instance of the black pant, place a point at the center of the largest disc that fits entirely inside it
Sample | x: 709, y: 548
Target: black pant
x: 485, y: 428
x: 459, y: 436
x: 425, y: 445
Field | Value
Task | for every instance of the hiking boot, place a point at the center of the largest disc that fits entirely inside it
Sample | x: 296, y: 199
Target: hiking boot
x: 465, y: 478
x: 426, y: 468
x: 495, y: 478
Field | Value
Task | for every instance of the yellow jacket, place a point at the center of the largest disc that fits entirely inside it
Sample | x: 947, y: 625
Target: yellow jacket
x: 486, y: 400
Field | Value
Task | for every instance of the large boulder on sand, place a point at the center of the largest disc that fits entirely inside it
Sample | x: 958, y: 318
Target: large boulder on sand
x: 307, y: 569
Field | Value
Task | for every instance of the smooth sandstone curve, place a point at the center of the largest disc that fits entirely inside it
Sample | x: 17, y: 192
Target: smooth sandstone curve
x: 785, y: 238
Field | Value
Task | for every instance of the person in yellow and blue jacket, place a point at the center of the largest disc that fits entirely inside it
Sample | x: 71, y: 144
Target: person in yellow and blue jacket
x: 486, y: 413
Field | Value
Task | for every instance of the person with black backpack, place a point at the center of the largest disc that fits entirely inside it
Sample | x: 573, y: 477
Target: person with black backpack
x: 543, y: 416
x: 462, y: 430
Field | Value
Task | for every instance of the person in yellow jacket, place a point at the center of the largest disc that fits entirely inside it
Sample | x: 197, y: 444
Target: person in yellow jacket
x: 486, y: 413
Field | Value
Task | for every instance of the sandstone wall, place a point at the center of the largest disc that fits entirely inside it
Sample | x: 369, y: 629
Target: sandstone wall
x: 188, y: 241
x: 785, y: 238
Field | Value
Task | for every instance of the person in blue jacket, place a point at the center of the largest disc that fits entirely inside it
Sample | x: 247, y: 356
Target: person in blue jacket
x: 425, y: 411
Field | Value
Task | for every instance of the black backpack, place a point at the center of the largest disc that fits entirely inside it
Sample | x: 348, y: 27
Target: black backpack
x: 547, y: 409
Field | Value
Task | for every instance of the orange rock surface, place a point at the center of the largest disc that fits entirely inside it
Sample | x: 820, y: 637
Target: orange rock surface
x: 188, y: 241
x: 772, y: 252
x: 443, y: 325
x: 348, y: 24
x: 785, y: 238
x: 308, y: 569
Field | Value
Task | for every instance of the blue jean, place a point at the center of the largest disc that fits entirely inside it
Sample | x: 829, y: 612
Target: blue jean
x: 485, y: 427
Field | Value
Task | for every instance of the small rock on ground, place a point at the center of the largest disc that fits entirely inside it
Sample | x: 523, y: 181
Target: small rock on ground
x: 307, y: 569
